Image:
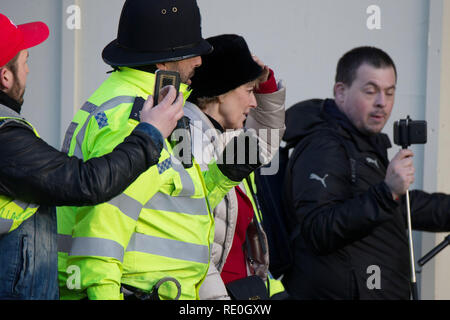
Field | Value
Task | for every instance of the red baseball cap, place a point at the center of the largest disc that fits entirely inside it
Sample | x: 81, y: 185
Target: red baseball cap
x: 14, y: 39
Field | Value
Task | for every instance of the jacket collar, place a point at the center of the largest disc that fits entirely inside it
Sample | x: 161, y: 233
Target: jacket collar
x: 378, y: 142
x: 145, y: 81
x: 12, y: 104
x: 215, y: 123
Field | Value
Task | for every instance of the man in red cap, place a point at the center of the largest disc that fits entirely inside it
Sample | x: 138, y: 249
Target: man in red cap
x: 34, y: 177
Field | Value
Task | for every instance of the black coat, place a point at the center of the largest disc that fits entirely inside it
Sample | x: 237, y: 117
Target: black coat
x: 33, y: 171
x: 348, y: 223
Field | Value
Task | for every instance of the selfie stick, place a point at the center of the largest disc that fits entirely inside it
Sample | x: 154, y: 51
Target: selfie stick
x: 410, y: 239
x: 406, y: 133
x: 411, y: 250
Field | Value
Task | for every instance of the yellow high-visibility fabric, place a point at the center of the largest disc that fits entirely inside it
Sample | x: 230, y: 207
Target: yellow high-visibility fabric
x: 14, y: 212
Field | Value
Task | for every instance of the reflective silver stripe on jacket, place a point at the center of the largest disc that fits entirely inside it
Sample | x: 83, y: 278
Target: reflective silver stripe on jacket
x: 5, y: 225
x: 89, y: 246
x: 181, y: 203
x: 168, y: 248
x: 93, y: 110
x: 186, y: 180
x: 127, y: 205
x: 24, y: 205
x: 68, y: 137
x: 64, y: 243
x: 164, y: 202
x: 89, y: 107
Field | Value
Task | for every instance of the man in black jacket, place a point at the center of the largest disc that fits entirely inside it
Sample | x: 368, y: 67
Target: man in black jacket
x: 344, y: 197
x: 34, y: 177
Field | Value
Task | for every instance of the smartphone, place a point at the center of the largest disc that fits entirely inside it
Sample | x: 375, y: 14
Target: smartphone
x: 408, y: 132
x: 165, y: 78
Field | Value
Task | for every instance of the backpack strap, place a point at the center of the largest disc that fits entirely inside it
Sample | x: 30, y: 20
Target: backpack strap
x: 258, y: 208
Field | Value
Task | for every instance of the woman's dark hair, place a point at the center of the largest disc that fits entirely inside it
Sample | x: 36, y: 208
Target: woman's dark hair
x: 352, y: 60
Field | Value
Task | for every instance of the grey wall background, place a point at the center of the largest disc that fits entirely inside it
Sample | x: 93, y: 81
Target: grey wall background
x: 42, y: 96
x: 301, y: 40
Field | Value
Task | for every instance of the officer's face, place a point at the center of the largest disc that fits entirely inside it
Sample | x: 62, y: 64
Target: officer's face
x: 369, y: 100
x: 185, y: 67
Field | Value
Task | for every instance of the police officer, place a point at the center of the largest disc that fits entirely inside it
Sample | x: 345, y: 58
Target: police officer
x: 155, y: 238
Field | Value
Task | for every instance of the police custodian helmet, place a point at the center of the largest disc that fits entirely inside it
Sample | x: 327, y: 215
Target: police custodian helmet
x: 152, y: 31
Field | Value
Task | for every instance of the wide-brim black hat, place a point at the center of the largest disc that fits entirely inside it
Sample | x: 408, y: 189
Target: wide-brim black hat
x: 229, y: 66
x: 157, y: 31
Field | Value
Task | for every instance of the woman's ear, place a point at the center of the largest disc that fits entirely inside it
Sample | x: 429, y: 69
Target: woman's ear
x: 221, y: 98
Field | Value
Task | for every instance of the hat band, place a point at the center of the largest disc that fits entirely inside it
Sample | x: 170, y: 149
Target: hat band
x: 188, y: 46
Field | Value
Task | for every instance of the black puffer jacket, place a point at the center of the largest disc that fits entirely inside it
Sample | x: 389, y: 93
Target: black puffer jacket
x: 349, y: 224
x: 33, y: 171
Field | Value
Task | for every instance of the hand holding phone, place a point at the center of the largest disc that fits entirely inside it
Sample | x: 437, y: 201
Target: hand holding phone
x: 165, y: 78
x: 165, y: 114
x: 172, y: 78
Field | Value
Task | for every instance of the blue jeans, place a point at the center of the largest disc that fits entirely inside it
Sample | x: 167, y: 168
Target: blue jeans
x: 28, y: 259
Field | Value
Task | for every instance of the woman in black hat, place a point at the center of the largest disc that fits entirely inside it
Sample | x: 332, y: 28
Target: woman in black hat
x: 231, y: 90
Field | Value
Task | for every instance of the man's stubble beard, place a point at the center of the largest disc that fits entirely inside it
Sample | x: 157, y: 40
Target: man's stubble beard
x: 18, y: 92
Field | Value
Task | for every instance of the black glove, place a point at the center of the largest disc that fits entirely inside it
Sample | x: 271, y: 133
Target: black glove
x: 240, y: 157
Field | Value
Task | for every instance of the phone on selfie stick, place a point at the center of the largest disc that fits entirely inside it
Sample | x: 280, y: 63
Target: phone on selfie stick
x: 406, y: 133
x: 165, y: 78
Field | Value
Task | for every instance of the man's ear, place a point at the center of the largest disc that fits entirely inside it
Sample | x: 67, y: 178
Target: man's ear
x: 340, y: 91
x: 162, y: 66
x: 6, y: 79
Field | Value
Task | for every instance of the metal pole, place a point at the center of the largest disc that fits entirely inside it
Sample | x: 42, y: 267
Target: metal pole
x: 411, y: 250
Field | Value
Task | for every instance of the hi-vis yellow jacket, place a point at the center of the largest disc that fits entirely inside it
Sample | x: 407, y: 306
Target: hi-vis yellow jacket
x: 161, y: 226
x: 14, y: 212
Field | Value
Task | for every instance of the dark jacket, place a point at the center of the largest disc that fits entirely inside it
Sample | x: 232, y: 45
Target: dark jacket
x: 33, y: 171
x: 347, y: 221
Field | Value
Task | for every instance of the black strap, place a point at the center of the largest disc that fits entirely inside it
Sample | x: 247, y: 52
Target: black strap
x: 258, y: 226
x: 258, y: 208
